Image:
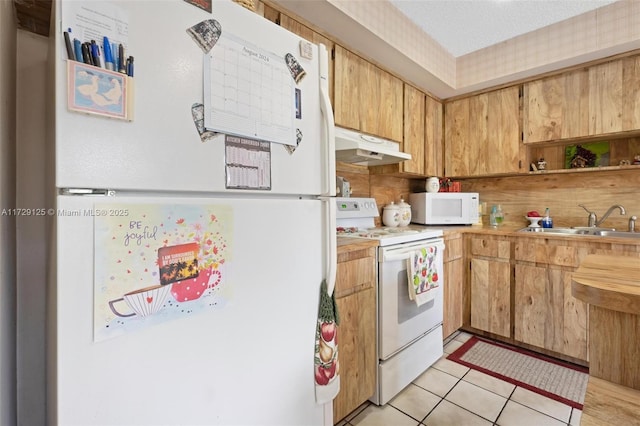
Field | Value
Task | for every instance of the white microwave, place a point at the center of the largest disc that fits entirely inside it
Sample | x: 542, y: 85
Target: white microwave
x: 444, y: 208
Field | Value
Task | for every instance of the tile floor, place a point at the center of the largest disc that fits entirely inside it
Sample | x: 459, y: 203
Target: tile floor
x: 451, y: 394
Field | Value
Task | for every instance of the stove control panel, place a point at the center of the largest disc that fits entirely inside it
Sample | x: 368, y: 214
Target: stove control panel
x: 347, y: 207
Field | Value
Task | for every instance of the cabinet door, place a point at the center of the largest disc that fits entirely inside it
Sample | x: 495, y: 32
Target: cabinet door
x: 453, y: 288
x: 453, y: 296
x: 367, y: 98
x: 457, y: 149
x: 414, y: 122
x: 491, y: 296
x: 357, y: 351
x: 433, y: 163
x: 347, y: 96
x: 546, y: 314
x: 556, y: 107
x: 482, y: 134
x: 502, y: 150
x: 308, y: 34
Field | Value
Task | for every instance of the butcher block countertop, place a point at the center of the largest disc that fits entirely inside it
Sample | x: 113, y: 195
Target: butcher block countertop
x: 610, y: 282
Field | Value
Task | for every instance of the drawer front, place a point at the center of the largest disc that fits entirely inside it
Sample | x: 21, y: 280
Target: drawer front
x: 491, y: 247
x: 355, y: 275
x: 452, y: 248
x: 551, y: 254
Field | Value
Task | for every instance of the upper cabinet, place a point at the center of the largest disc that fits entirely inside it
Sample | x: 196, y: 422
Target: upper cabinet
x: 413, y: 135
x: 366, y: 98
x: 422, y: 137
x: 482, y: 134
x: 308, y: 34
x: 599, y: 100
x: 433, y: 164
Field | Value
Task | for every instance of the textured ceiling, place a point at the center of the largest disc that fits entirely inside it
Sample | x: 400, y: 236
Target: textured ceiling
x: 464, y: 26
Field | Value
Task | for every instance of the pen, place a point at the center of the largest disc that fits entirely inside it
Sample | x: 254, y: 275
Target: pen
x: 121, y: 60
x: 95, y: 52
x: 78, y: 49
x: 130, y: 66
x: 67, y: 43
x: 108, y: 57
x: 85, y: 54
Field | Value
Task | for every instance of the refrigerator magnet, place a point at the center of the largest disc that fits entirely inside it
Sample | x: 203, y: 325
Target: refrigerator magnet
x: 206, y: 34
x: 292, y: 148
x: 298, y: 100
x: 305, y: 49
x: 296, y: 70
x: 197, y: 112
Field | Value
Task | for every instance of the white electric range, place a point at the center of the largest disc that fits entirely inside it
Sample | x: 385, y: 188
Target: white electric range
x: 355, y: 217
x: 409, y: 336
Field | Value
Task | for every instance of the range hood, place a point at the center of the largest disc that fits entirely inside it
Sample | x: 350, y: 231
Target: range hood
x: 359, y: 148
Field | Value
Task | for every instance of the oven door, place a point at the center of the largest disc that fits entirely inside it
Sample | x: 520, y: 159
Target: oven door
x: 401, y: 320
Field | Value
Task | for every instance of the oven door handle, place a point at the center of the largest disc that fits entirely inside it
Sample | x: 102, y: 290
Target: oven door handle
x: 407, y: 252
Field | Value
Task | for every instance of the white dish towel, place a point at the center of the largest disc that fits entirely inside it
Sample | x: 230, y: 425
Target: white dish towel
x: 423, y: 275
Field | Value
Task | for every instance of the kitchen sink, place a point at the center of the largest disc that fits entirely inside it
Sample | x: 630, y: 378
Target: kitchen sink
x: 594, y: 232
x: 618, y: 234
x: 565, y: 231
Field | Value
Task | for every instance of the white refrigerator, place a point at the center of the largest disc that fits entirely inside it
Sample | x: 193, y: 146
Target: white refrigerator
x: 189, y: 253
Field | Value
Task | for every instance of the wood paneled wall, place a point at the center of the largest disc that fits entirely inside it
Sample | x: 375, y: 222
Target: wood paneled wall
x: 519, y: 194
x: 562, y: 193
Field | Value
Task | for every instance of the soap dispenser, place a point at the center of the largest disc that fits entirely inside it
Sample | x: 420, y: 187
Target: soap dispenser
x: 547, y: 221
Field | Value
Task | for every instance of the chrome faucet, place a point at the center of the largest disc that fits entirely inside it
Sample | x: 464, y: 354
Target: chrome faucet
x: 593, y: 219
x: 592, y: 216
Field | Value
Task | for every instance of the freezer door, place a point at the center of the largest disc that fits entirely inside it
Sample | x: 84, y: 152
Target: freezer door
x: 161, y: 148
x: 243, y: 357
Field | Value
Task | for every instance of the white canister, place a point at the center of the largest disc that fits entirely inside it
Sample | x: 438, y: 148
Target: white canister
x: 391, y: 215
x: 405, y: 213
x: 432, y: 184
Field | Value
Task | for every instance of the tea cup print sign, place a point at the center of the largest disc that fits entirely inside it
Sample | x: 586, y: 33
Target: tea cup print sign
x: 159, y: 263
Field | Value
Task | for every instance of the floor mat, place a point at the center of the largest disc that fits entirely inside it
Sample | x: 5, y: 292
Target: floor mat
x: 552, y: 378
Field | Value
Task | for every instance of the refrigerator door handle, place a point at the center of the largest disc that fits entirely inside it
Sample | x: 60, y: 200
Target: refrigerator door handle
x: 332, y: 243
x: 327, y: 119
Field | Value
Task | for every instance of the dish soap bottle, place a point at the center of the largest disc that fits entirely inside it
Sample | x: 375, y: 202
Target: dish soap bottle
x: 499, y: 215
x: 492, y: 216
x: 547, y: 222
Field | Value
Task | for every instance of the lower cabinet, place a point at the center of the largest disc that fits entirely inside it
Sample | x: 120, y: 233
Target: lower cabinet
x: 356, y: 300
x: 453, y: 284
x: 546, y: 314
x: 490, y: 284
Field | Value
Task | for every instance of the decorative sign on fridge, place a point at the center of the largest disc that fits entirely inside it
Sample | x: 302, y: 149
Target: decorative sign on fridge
x: 249, y: 92
x: 156, y: 263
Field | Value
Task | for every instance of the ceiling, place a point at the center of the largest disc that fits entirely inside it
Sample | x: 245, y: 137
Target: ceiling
x: 464, y: 26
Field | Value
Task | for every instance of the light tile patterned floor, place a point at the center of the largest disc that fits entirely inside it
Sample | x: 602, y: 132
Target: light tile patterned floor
x: 450, y: 394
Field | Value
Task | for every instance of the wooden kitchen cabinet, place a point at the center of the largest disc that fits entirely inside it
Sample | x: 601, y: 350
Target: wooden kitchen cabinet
x: 367, y: 98
x: 546, y: 315
x: 453, y: 284
x: 356, y: 301
x: 490, y: 284
x: 422, y: 137
x: 601, y: 100
x: 482, y: 134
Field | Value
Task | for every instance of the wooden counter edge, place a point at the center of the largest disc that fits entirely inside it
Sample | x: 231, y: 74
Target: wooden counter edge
x: 610, y: 282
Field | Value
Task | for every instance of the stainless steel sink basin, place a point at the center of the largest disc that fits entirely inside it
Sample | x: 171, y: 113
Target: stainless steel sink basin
x: 595, y: 232
x: 618, y: 234
x: 565, y: 231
